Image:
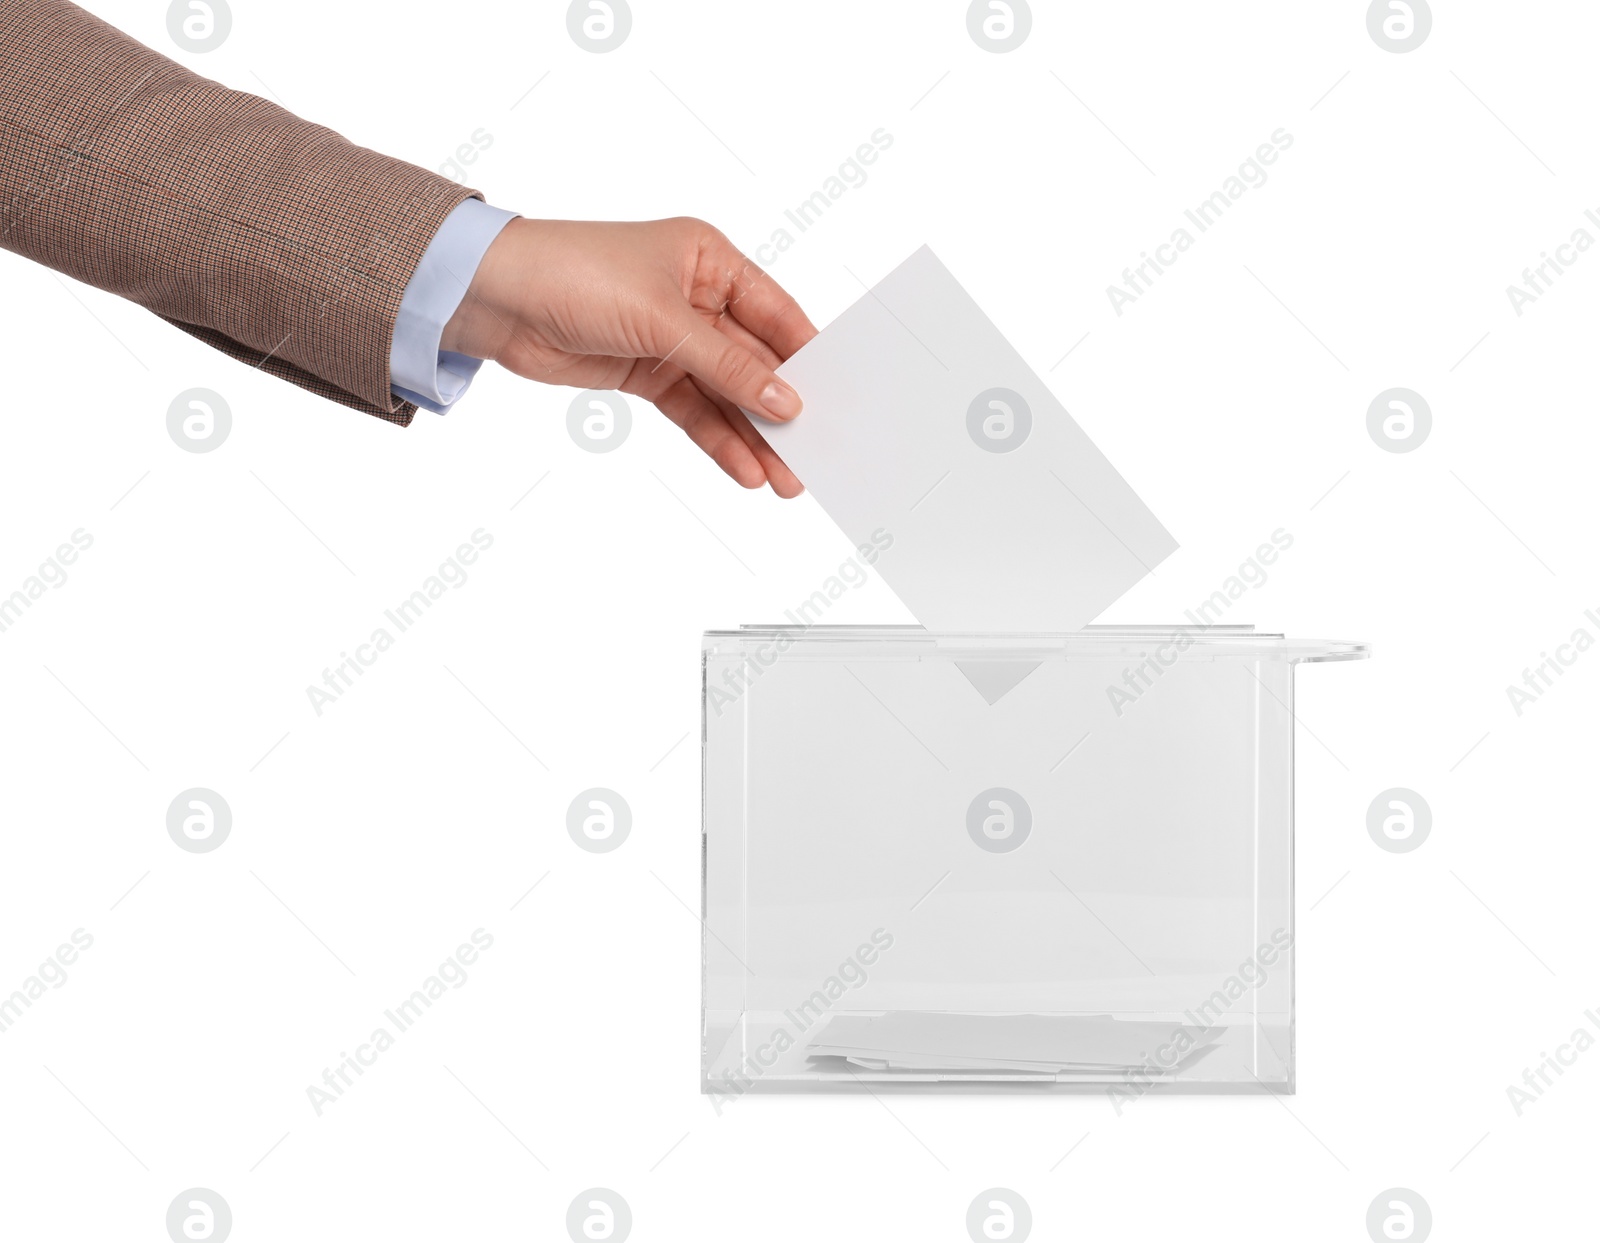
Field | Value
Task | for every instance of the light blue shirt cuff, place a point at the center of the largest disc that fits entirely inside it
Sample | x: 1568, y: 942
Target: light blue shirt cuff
x: 419, y: 371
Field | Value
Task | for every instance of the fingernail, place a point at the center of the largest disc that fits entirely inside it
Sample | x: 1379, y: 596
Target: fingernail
x: 780, y: 401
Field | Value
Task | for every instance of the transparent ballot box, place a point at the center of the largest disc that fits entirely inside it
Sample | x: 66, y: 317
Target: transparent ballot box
x: 1000, y: 862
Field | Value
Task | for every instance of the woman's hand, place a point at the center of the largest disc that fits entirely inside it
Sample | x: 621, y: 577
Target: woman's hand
x: 668, y: 310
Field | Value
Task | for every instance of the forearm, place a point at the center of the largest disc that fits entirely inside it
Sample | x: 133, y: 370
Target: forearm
x: 269, y: 237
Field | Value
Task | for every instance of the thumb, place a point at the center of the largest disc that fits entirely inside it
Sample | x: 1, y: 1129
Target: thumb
x: 728, y: 368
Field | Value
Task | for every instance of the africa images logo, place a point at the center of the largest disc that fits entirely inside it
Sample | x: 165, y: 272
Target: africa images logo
x: 999, y: 820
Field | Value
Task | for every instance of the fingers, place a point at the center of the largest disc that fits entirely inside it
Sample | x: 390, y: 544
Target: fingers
x: 707, y: 426
x: 725, y: 367
x: 726, y: 437
x: 766, y: 310
x: 783, y: 480
x: 740, y: 335
x: 763, y: 306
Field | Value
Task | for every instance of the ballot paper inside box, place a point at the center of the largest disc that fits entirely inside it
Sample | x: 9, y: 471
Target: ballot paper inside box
x: 1022, y: 862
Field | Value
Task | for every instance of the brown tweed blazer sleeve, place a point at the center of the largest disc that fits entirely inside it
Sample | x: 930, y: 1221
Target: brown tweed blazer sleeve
x: 267, y: 237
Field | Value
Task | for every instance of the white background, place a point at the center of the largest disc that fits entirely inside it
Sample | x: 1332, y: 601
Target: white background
x: 370, y: 841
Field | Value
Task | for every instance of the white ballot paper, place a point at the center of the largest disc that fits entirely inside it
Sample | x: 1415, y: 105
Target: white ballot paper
x: 1029, y: 1043
x: 924, y: 429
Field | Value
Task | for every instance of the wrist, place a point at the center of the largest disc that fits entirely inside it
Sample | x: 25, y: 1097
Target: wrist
x: 481, y: 325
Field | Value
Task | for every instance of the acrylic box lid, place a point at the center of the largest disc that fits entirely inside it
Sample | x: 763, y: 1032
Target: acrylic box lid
x: 1186, y: 642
